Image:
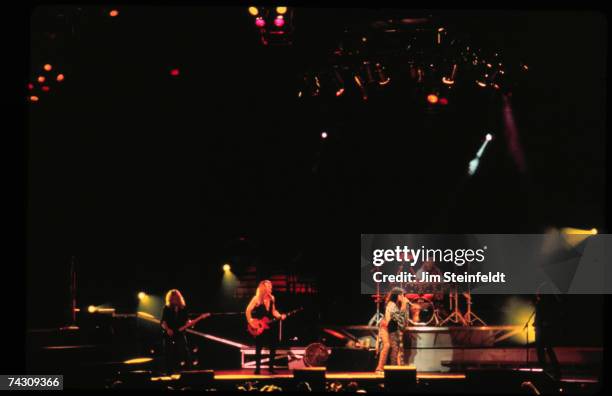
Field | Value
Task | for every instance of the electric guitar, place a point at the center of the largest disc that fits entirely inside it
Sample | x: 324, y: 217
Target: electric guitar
x: 188, y: 325
x: 260, y: 325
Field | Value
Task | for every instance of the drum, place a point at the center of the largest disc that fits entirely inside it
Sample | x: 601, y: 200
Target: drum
x: 421, y: 310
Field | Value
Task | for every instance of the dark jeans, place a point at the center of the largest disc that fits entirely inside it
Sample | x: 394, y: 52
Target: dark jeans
x: 544, y: 347
x: 176, y: 350
x: 268, y: 339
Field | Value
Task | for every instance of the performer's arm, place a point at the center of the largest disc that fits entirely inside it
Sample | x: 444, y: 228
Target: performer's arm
x: 249, y: 309
x: 164, y: 324
x: 275, y: 313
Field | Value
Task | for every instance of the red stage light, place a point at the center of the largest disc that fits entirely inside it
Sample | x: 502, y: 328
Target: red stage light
x: 34, y: 98
x: 30, y: 86
x: 340, y: 92
x: 279, y: 21
x: 259, y: 22
x: 113, y: 13
x: 443, y: 101
x: 433, y: 99
x: 175, y: 72
x: 60, y: 77
x: 45, y: 88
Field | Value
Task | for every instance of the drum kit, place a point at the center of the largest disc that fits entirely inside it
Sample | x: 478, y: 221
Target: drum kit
x: 425, y: 302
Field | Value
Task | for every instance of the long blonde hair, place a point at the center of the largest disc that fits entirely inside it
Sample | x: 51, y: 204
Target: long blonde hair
x: 261, y: 291
x: 177, y: 293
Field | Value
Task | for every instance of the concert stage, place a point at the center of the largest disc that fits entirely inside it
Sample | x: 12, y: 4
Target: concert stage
x: 460, y: 382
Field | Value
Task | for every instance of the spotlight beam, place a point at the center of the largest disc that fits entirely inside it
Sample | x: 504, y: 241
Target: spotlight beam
x: 474, y: 163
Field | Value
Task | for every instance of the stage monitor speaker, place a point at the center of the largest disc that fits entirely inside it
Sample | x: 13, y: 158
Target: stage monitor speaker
x: 197, y: 379
x: 314, y: 376
x: 400, y: 378
x: 347, y: 359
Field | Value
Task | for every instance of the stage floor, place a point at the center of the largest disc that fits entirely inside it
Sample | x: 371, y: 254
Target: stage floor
x: 248, y: 375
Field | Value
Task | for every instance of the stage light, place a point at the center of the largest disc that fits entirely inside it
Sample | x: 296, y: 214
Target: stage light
x: 137, y: 360
x: 525, y: 67
x: 279, y: 21
x: 34, y: 98
x: 145, y: 315
x: 433, y: 99
x: 518, y: 311
x: 175, y: 72
x: 324, y: 135
x: 113, y: 13
x: 41, y: 79
x: 489, y: 137
x: 447, y: 81
x: 594, y: 231
x: 340, y: 92
x: 259, y: 22
x: 281, y: 10
x: 443, y: 101
x: 30, y: 86
x: 226, y: 267
x: 440, y: 29
x: 481, y: 84
x: 142, y: 296
x: 60, y: 78
x: 253, y: 11
x: 47, y: 67
x: 45, y: 88
x: 91, y: 309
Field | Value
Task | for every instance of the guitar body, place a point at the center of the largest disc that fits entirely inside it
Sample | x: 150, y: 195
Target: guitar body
x: 263, y: 324
x: 259, y: 326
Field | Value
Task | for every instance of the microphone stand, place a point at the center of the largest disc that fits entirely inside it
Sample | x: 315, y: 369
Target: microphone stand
x: 526, y: 327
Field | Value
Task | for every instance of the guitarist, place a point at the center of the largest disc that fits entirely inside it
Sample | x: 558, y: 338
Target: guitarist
x: 174, y: 316
x: 262, y: 305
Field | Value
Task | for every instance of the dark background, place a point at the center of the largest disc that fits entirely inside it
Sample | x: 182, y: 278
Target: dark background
x: 150, y: 180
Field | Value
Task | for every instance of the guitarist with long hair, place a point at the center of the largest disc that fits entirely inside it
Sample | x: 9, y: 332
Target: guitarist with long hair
x: 174, y: 320
x: 261, y: 307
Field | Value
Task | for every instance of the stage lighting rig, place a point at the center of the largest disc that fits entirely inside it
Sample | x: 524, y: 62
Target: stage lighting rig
x: 275, y: 24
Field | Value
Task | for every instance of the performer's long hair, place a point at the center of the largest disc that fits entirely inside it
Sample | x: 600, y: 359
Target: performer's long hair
x: 261, y: 291
x: 178, y: 294
x: 393, y: 295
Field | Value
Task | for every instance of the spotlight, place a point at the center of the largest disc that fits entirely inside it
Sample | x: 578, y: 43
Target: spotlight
x: 60, y: 78
x: 253, y: 11
x: 226, y: 267
x: 281, y: 10
x: 45, y: 88
x: 47, y: 67
x: 447, y: 81
x: 481, y: 84
x: 142, y: 295
x: 34, y: 98
x: 279, y: 21
x: 433, y: 99
x: 259, y: 22
x: 113, y: 13
x: 41, y: 79
x: 489, y: 137
x: 443, y: 101
x: 30, y: 86
x: 594, y: 231
x: 324, y: 135
x: 91, y: 309
x: 175, y: 72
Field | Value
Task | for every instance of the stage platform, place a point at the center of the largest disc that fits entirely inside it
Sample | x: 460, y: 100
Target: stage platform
x: 433, y: 382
